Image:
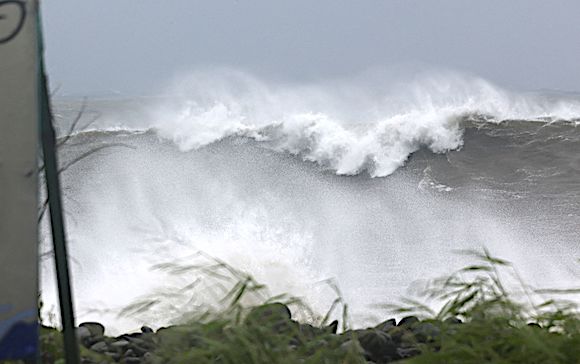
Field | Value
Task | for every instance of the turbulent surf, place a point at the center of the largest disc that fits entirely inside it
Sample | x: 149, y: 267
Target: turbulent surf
x: 372, y: 181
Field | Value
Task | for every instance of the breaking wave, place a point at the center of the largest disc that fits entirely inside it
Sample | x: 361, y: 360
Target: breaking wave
x: 370, y: 124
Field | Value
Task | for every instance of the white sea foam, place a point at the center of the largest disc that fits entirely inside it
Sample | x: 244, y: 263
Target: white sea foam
x: 348, y: 126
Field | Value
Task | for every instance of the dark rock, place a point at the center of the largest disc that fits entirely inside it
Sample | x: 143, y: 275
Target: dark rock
x: 135, y: 335
x: 146, y: 329
x: 95, y: 328
x: 85, y: 337
x: 114, y: 356
x: 146, y: 342
x: 534, y: 325
x: 99, y: 347
x: 83, y: 333
x: 131, y: 361
x: 120, y: 344
x: 308, y: 331
x: 409, y: 352
x: 408, y: 321
x: 183, y: 334
x: 453, y: 321
x: 333, y: 327
x: 378, y: 345
x: 140, y: 351
x: 148, y: 337
x: 426, y: 332
x: 274, y: 316
x: 135, y: 340
x: 272, y: 312
x: 90, y: 341
x: 143, y: 340
x: 386, y: 325
x: 403, y: 336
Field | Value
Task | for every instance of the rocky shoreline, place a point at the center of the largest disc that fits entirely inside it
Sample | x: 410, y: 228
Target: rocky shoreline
x: 387, y: 342
x: 480, y: 322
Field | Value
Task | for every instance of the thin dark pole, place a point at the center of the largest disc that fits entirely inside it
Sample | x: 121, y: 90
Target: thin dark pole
x: 57, y: 223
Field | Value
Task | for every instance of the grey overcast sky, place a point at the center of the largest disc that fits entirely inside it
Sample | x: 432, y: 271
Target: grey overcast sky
x: 135, y: 46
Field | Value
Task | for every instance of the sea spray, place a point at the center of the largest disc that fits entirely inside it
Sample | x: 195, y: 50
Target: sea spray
x: 216, y: 171
x: 344, y: 126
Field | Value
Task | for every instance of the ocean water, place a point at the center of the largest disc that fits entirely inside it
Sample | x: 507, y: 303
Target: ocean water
x: 373, y: 184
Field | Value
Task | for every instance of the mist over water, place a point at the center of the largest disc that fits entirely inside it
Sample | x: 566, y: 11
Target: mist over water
x: 277, y: 180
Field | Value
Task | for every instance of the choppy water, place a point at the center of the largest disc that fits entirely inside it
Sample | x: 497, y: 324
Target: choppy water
x: 294, y: 184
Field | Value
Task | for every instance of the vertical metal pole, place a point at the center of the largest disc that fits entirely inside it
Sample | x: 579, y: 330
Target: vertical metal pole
x: 57, y: 222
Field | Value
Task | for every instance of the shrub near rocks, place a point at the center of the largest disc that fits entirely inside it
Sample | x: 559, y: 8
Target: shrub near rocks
x: 479, y: 323
x: 268, y: 334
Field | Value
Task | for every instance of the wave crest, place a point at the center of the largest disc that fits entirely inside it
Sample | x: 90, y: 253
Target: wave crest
x: 348, y: 126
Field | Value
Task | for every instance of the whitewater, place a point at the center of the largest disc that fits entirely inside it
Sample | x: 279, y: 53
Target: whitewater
x: 371, y: 181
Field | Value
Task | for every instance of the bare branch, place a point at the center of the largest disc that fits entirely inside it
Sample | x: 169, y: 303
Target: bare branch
x: 74, y: 123
x: 91, y: 152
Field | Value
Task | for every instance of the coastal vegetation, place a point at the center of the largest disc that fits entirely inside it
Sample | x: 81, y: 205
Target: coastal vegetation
x: 482, y: 318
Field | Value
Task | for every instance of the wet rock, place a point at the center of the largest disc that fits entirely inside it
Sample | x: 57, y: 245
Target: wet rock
x: 333, y: 327
x: 135, y: 340
x: 453, y: 321
x: 148, y: 338
x: 144, y: 341
x: 402, y: 336
x: 146, y: 330
x: 84, y: 336
x: 275, y: 316
x: 83, y: 333
x: 409, y: 352
x: 426, y: 332
x: 183, y: 334
x: 114, y: 356
x: 140, y: 351
x: 308, y: 331
x: 120, y: 344
x: 408, y: 321
x: 99, y: 347
x: 269, y: 313
x: 378, y: 345
x: 131, y: 361
x: 95, y: 328
x: 386, y: 325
